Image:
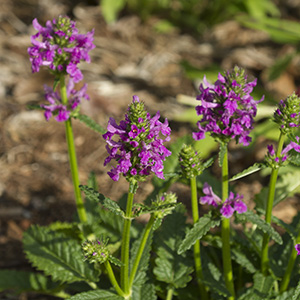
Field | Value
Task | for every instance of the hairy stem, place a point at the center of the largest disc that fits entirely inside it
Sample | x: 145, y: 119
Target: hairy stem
x: 72, y: 156
x: 288, y: 272
x: 197, y: 245
x: 112, y: 279
x: 268, y: 215
x: 126, y: 243
x: 226, y: 254
x: 141, y: 250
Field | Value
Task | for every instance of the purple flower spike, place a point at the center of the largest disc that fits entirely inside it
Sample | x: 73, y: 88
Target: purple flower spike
x: 138, y: 147
x: 55, y: 106
x: 297, y: 247
x: 60, y: 47
x: 227, y: 109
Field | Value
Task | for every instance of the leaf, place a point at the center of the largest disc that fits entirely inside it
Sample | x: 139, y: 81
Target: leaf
x: 294, y: 159
x: 97, y: 295
x: 22, y: 281
x: 250, y: 216
x: 141, y: 209
x: 144, y: 292
x: 287, y: 185
x: 90, y: 123
x: 254, y: 168
x: 110, y: 9
x: 170, y: 267
x: 199, y: 229
x: 57, y: 255
x: 106, y: 202
x: 242, y: 259
x: 297, y: 292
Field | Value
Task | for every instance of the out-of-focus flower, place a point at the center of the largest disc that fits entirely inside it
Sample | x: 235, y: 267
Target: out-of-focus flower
x: 227, y: 108
x: 297, y: 247
x: 228, y: 207
x: 138, y: 148
x: 60, y: 47
x: 287, y: 115
x: 55, y: 107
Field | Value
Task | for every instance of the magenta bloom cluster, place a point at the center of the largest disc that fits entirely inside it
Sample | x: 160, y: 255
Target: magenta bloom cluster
x: 227, y: 108
x: 136, y: 144
x: 228, y: 207
x: 55, y: 107
x: 60, y: 47
x: 274, y: 161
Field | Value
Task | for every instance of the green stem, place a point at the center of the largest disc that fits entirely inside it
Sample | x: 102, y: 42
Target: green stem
x: 141, y: 250
x: 113, y: 280
x: 288, y: 272
x: 226, y: 254
x: 197, y: 246
x: 126, y: 243
x: 170, y: 294
x: 72, y: 156
x: 268, y: 215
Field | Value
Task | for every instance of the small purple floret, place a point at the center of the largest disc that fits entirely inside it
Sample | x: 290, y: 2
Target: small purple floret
x: 297, y: 247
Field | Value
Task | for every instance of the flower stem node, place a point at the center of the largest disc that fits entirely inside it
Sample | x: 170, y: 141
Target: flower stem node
x: 96, y: 251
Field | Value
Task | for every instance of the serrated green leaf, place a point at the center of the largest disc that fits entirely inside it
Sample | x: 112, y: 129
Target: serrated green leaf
x: 262, y: 285
x: 143, y: 292
x: 97, y: 295
x: 22, y: 281
x: 241, y: 258
x: 250, y: 216
x: 57, y: 255
x: 170, y: 267
x: 199, y: 229
x: 286, y: 295
x: 141, y: 209
x: 297, y: 292
x: 106, y: 202
x: 71, y: 230
x: 90, y: 123
x: 254, y: 168
x: 295, y: 159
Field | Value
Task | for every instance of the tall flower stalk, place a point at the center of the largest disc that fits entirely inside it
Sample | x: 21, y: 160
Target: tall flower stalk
x: 191, y: 166
x: 287, y: 116
x: 59, y: 47
x: 138, y: 151
x: 227, y: 111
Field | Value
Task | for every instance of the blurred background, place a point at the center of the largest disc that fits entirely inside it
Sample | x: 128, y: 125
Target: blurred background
x: 157, y: 49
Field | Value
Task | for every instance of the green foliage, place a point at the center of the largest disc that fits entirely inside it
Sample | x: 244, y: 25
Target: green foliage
x: 90, y: 123
x: 106, y: 202
x: 297, y: 292
x: 287, y: 185
x: 169, y: 267
x: 280, y: 66
x: 22, y: 281
x: 97, y: 295
x: 143, y: 292
x: 243, y: 260
x: 250, y: 216
x: 57, y: 255
x: 199, y: 229
x: 110, y: 9
x: 254, y: 168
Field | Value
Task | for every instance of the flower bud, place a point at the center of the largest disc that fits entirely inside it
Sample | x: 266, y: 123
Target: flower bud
x: 95, y: 251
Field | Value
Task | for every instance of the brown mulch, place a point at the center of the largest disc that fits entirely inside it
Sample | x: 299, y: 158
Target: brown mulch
x: 130, y: 58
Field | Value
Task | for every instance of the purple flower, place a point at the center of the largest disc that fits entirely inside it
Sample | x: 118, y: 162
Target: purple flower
x: 287, y: 115
x: 297, y: 247
x: 138, y: 147
x: 228, y: 207
x: 210, y: 197
x: 55, y: 106
x: 60, y: 47
x: 227, y: 108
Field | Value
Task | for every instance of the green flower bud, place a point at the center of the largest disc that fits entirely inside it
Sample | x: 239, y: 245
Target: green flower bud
x: 95, y: 251
x: 287, y: 115
x: 190, y: 162
x: 166, y: 199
